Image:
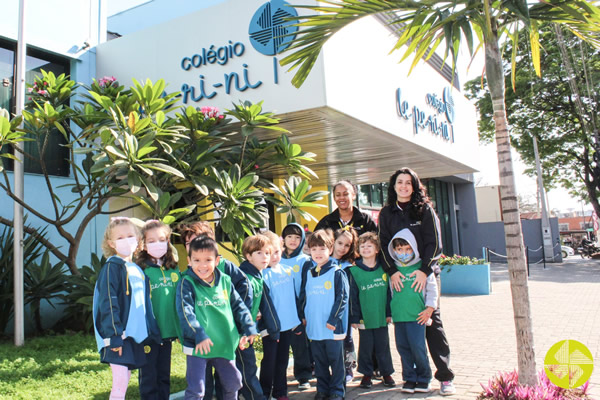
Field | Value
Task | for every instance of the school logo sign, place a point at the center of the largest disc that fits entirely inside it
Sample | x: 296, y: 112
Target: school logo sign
x: 270, y: 25
x: 569, y: 364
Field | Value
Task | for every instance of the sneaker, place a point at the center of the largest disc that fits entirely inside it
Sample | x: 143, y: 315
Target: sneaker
x: 303, y: 384
x: 349, y: 378
x: 377, y: 375
x: 447, y: 388
x: 365, y: 382
x: 321, y: 396
x: 389, y: 381
x: 409, y: 387
x: 423, y: 387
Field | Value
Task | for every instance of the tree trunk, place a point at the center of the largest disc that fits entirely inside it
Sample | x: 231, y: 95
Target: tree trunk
x: 517, y: 266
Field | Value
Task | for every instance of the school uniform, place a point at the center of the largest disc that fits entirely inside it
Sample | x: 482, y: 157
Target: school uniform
x: 369, y: 307
x: 273, y: 367
x: 300, y: 347
x: 217, y: 312
x: 323, y: 300
x: 155, y: 377
x: 268, y: 325
x: 122, y: 313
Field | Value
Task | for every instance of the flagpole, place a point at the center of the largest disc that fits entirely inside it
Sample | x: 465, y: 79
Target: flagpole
x: 19, y: 316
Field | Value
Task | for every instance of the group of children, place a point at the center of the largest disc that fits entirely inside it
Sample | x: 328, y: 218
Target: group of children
x: 142, y: 303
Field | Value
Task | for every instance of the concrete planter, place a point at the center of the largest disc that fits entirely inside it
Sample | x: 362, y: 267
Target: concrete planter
x: 466, y: 279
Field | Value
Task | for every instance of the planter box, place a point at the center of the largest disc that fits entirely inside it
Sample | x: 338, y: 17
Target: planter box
x: 466, y: 279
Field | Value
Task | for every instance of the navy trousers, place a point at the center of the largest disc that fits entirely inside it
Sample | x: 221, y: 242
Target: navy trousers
x: 273, y: 367
x: 374, y: 343
x: 245, y: 361
x: 329, y: 354
x: 155, y: 376
x: 302, y: 357
x: 231, y: 380
x: 410, y: 342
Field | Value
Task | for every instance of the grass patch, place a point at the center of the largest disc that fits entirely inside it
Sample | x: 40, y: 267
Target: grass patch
x: 67, y: 367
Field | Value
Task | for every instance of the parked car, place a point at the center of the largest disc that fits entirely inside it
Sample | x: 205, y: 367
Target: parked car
x: 567, y: 251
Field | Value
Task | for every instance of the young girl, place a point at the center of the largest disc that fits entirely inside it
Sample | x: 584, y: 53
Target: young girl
x: 123, y: 319
x: 345, y: 252
x: 158, y: 262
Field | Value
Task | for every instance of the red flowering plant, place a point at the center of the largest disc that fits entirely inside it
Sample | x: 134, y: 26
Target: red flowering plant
x: 50, y: 88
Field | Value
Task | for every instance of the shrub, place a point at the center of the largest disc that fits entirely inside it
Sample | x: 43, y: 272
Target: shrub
x: 459, y: 260
x: 505, y: 386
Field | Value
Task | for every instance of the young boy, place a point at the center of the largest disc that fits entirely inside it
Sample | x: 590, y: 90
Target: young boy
x: 257, y: 252
x: 293, y: 257
x: 323, y: 308
x: 209, y: 310
x: 273, y: 367
x: 370, y: 311
x: 411, y: 311
x: 189, y: 232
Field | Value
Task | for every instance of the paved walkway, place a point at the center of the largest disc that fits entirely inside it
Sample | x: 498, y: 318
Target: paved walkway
x: 565, y: 299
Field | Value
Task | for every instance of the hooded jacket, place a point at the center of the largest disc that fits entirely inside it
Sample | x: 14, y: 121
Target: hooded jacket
x: 430, y: 293
x: 269, y: 323
x: 296, y: 260
x: 356, y: 314
x: 426, y: 232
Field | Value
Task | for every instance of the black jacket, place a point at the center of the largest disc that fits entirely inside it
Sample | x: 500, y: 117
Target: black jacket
x: 426, y: 231
x: 361, y: 222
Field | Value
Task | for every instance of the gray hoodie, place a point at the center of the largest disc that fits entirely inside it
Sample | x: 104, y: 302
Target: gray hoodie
x: 430, y: 293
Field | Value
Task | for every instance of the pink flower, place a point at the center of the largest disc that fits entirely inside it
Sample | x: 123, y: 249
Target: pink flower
x: 29, y: 90
x: 256, y: 166
x: 45, y: 83
x: 42, y: 92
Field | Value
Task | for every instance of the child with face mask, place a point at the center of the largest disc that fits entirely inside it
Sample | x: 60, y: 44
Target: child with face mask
x: 411, y: 311
x: 123, y: 317
x: 158, y: 261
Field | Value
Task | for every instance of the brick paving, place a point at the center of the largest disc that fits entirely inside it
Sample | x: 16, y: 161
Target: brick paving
x: 565, y: 302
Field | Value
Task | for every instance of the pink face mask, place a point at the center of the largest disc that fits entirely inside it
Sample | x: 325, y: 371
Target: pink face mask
x: 157, y: 249
x: 126, y: 247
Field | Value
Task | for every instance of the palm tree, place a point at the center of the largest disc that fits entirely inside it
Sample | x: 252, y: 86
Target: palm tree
x: 422, y: 26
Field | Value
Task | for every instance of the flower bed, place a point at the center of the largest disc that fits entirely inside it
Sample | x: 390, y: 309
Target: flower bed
x: 464, y: 275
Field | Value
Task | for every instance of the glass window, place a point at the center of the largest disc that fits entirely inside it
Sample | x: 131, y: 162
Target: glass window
x: 364, y: 195
x: 376, y: 195
x: 56, y: 156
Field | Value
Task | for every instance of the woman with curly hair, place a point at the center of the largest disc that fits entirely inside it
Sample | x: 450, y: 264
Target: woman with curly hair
x: 408, y: 206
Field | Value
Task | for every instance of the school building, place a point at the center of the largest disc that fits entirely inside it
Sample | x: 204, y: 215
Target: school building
x: 359, y: 111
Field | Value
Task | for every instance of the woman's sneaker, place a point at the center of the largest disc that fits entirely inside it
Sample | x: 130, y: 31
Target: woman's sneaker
x: 409, y: 387
x: 366, y: 382
x: 423, y: 387
x: 447, y: 388
x: 389, y: 381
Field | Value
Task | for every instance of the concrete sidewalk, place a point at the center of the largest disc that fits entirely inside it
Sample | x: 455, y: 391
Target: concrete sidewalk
x: 565, y: 301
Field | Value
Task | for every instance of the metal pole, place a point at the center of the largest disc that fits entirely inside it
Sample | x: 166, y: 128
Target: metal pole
x: 548, y: 250
x: 527, y: 258
x: 19, y: 186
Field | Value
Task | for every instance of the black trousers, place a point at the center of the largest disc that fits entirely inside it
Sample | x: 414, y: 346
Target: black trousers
x: 155, y: 376
x: 273, y: 367
x: 439, y: 349
x: 374, y: 343
x: 302, y: 357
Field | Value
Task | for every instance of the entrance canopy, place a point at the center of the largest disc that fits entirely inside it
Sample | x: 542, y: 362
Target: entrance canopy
x: 359, y: 111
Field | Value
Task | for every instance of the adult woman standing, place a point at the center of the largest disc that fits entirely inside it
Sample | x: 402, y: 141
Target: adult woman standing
x: 408, y: 206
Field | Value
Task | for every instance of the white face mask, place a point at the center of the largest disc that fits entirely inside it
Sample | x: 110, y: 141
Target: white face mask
x: 126, y: 247
x: 157, y: 249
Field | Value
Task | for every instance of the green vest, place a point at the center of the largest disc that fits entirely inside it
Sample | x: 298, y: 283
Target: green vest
x: 213, y: 312
x: 163, y: 283
x: 257, y: 290
x: 407, y: 304
x: 221, y: 264
x: 372, y: 294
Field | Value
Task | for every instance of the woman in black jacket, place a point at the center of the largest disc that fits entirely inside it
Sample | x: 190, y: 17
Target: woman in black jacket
x: 408, y: 206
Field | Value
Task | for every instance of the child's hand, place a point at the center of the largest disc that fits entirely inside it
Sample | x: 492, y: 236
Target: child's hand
x: 425, y: 315
x: 355, y: 326
x: 118, y: 349
x: 258, y: 316
x: 330, y: 327
x: 388, y: 320
x: 243, y: 342
x: 204, y: 346
x: 396, y: 281
x: 420, y: 280
x: 303, y: 322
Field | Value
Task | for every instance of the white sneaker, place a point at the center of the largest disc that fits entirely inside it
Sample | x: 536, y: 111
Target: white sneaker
x: 447, y: 388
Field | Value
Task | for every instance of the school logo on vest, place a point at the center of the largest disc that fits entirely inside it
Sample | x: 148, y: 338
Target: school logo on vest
x: 174, y: 277
x: 327, y: 285
x: 384, y: 276
x: 296, y: 268
x: 225, y: 295
x: 270, y: 26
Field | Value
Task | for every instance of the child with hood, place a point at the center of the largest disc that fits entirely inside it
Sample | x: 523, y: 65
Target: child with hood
x: 411, y: 311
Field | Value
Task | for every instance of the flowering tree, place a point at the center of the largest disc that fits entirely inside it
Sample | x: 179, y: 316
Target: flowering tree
x: 177, y: 163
